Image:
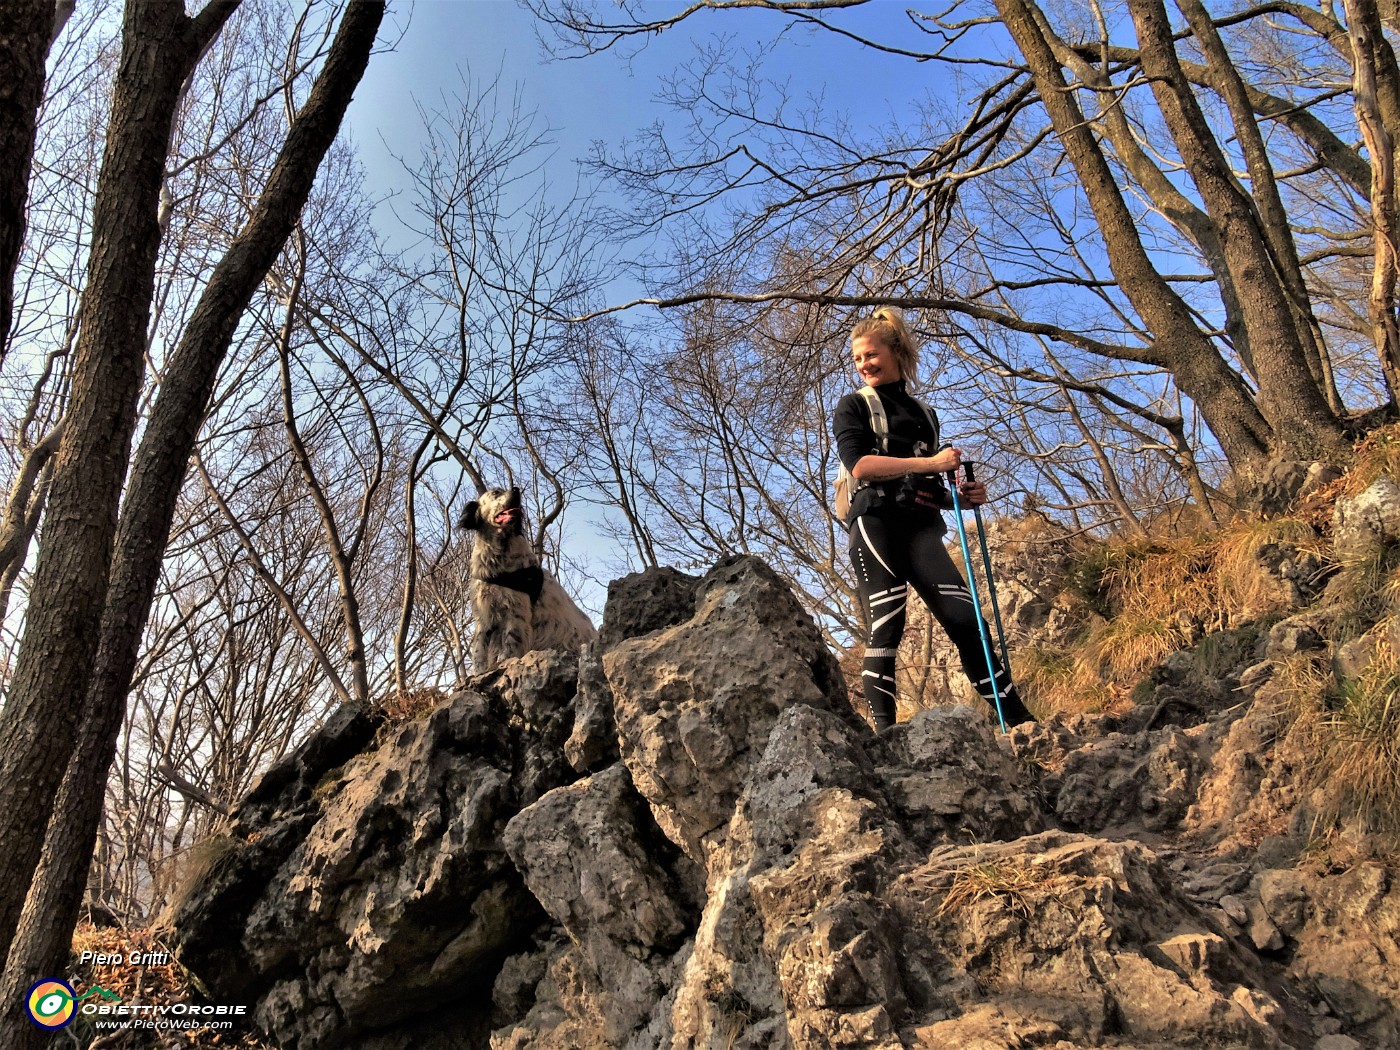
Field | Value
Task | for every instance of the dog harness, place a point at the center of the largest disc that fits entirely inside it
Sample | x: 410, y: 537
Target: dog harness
x: 529, y: 580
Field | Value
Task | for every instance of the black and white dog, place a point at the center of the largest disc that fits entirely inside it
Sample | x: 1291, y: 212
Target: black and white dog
x: 517, y: 606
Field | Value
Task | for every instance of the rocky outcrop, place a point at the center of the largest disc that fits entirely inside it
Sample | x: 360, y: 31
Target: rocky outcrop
x: 1364, y: 524
x: 1286, y: 481
x: 355, y: 895
x: 684, y: 837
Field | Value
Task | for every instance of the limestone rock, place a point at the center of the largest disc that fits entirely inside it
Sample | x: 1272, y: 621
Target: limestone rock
x: 795, y: 937
x: 592, y: 857
x: 1362, y: 525
x: 1248, y: 782
x: 269, y: 824
x: 351, y: 907
x: 695, y: 703
x: 1284, y: 896
x: 538, y: 692
x: 683, y: 837
x: 1145, y: 778
x: 1286, y: 481
x: 1029, y: 567
x: 592, y: 744
x: 1295, y: 634
x: 1085, y: 939
x: 644, y: 602
x: 948, y: 779
x: 1347, y: 944
x: 1286, y: 578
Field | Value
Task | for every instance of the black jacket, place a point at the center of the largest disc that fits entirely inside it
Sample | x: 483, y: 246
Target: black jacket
x: 910, y: 435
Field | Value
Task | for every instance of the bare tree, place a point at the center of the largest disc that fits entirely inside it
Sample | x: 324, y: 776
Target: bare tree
x: 60, y: 656
x: 886, y: 217
x: 160, y: 47
x: 27, y: 30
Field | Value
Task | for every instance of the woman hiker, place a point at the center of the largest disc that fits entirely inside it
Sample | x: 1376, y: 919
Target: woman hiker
x: 896, y: 528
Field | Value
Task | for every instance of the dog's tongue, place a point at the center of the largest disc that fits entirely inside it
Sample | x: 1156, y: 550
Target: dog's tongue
x: 506, y: 516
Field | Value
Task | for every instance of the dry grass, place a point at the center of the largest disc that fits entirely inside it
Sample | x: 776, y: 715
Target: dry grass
x: 1350, y: 730
x: 1147, y: 592
x: 1168, y: 575
x: 1360, y: 760
x: 1211, y: 576
x: 1366, y: 590
x: 1376, y: 454
x: 1126, y: 647
x: 191, y: 867
x: 1008, y: 882
x: 1299, y: 683
x: 403, y: 707
x: 1154, y: 595
x: 1163, y: 593
x: 1142, y: 599
x: 1239, y: 586
x: 1058, y: 681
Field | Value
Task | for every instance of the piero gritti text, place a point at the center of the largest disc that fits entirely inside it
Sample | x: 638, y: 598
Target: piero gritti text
x: 118, y: 959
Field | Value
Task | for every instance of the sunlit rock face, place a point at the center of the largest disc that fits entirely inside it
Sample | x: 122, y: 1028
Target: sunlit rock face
x: 683, y: 836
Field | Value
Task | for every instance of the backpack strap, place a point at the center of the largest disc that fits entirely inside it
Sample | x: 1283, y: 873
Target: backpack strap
x: 932, y: 421
x: 846, y: 484
x: 879, y: 422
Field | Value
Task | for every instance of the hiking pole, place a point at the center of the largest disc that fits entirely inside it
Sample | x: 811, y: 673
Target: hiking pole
x: 987, y: 568
x: 976, y: 604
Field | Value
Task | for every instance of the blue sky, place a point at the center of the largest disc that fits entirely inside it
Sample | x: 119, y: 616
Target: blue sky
x: 445, y: 41
x: 611, y: 96
x: 604, y: 97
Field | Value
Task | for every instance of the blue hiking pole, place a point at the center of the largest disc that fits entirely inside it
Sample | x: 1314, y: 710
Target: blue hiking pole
x: 976, y: 604
x: 987, y: 569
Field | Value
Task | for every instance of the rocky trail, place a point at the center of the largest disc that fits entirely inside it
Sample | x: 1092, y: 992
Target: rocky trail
x: 684, y: 837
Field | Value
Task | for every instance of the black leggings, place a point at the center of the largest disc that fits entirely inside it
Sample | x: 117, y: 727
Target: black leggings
x: 888, y: 554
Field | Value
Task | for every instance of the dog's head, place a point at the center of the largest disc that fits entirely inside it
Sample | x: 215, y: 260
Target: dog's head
x: 495, y: 510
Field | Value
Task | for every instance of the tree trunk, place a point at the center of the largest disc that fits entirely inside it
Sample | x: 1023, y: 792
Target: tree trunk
x: 21, y: 517
x: 1289, y: 397
x: 1364, y: 26
x: 1331, y: 150
x: 26, y: 28
x: 341, y: 557
x: 1274, y: 222
x: 39, y: 724
x: 1202, y: 374
x: 156, y: 481
x: 1174, y: 205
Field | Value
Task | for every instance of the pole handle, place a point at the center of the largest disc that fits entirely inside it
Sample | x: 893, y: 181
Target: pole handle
x: 967, y: 465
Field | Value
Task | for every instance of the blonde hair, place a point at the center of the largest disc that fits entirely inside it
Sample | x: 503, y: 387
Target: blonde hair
x: 887, y: 325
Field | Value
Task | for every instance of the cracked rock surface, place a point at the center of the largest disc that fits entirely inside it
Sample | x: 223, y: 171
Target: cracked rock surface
x: 684, y: 837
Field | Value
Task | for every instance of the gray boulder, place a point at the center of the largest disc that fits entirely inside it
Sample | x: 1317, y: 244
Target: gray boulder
x: 695, y: 703
x: 684, y: 837
x: 1362, y: 525
x: 388, y: 885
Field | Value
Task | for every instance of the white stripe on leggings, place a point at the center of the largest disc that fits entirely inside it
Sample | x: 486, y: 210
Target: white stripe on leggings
x: 870, y: 546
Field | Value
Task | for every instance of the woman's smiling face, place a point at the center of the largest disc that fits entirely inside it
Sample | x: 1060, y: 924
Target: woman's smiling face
x: 875, y: 362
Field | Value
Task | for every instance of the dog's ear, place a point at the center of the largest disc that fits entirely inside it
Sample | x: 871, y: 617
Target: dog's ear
x: 471, y: 517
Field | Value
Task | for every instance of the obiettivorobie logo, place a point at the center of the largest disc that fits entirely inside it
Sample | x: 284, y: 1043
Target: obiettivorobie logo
x: 52, y: 1003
